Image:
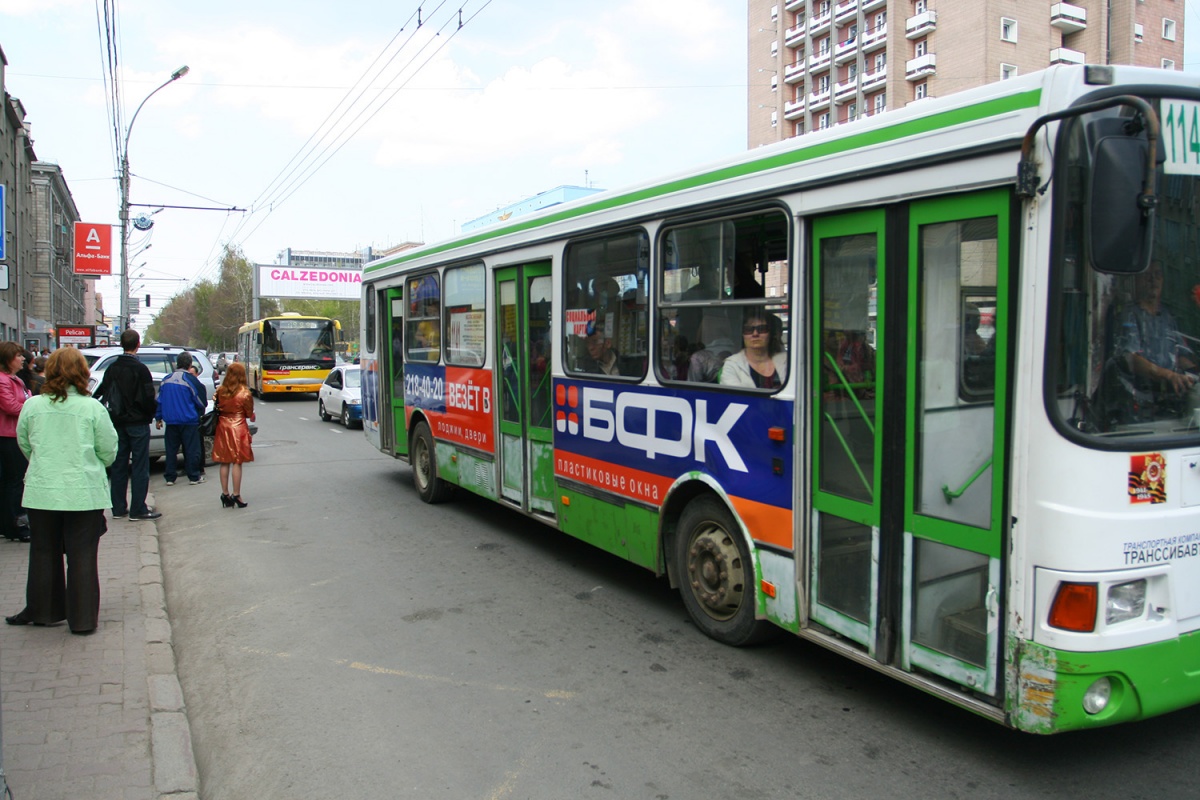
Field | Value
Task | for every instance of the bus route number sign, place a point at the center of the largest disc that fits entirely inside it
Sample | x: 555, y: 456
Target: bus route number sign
x: 1181, y: 136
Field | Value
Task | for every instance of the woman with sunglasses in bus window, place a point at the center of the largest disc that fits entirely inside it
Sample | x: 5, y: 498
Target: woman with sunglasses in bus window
x: 761, y: 363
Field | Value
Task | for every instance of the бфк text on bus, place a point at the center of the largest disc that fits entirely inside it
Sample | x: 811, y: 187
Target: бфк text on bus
x: 893, y: 387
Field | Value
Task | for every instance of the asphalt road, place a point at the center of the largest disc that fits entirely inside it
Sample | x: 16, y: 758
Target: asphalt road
x: 338, y: 638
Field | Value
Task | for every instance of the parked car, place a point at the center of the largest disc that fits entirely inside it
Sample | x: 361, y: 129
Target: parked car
x: 160, y: 359
x: 341, y: 395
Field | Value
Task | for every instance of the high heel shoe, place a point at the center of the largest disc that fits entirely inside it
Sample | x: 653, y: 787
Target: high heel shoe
x: 237, y: 498
x: 226, y: 501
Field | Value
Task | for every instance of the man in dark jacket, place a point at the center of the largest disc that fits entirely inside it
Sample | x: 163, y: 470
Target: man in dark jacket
x: 181, y: 401
x: 127, y: 389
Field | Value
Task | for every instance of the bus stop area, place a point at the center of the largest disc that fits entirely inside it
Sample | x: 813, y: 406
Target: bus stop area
x: 98, y: 716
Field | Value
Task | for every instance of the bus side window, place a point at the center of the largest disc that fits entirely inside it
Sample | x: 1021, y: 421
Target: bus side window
x: 423, y: 323
x: 717, y: 277
x: 606, y: 319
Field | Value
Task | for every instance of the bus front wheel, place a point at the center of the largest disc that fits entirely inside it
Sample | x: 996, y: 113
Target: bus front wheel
x: 424, y: 466
x: 716, y: 574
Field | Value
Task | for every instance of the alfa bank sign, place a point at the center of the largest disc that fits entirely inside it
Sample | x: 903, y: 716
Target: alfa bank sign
x: 93, y: 249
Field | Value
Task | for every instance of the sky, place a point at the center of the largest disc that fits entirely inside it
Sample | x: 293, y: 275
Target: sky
x: 528, y: 95
x: 454, y: 122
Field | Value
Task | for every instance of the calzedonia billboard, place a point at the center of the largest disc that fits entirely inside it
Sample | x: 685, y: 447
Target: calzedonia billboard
x: 275, y: 280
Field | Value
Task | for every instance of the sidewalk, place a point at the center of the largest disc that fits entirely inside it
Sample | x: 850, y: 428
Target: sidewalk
x: 98, y: 716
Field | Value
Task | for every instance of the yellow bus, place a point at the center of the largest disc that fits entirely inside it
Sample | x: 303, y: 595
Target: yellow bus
x: 288, y: 353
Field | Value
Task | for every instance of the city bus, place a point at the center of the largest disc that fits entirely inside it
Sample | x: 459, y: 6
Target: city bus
x: 920, y: 388
x: 288, y: 353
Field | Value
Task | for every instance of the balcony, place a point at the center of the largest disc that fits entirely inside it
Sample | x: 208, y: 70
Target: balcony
x: 921, y: 67
x: 1063, y: 55
x: 845, y: 11
x: 793, y: 5
x: 793, y: 73
x: 920, y: 25
x: 874, y: 38
x: 819, y: 24
x: 874, y: 80
x: 1068, y: 18
x: 820, y: 61
x: 794, y: 37
x: 819, y: 100
x: 845, y: 50
x: 871, y: 5
x: 794, y: 110
x: 845, y: 91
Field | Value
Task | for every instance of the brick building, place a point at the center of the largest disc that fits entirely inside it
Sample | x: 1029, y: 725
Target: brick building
x: 817, y: 63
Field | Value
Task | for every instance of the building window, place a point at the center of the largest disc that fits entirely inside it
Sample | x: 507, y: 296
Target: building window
x: 823, y: 121
x: 774, y: 118
x: 774, y: 13
x: 880, y: 102
x: 1169, y: 30
x: 799, y: 129
x: 852, y: 112
x: 823, y: 84
x: 774, y: 48
x: 1008, y: 29
x: 1138, y: 32
x: 920, y: 89
x: 880, y: 60
x: 823, y: 46
x: 1168, y: 64
x: 920, y: 7
x: 921, y: 48
x: 852, y: 70
x: 775, y: 83
x: 880, y: 20
x: 1008, y: 71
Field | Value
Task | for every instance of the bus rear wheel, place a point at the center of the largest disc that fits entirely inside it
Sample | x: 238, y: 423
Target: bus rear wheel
x: 716, y: 574
x: 430, y: 487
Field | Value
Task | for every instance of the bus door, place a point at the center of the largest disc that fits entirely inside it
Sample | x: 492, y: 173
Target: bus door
x: 955, y: 433
x: 394, y: 349
x: 523, y: 366
x: 908, y: 566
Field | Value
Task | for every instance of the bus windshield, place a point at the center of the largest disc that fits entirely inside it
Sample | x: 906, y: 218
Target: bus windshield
x: 296, y: 341
x: 1128, y: 346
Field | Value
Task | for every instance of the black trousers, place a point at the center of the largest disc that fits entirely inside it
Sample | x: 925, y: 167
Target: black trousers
x: 52, y: 594
x: 12, y: 484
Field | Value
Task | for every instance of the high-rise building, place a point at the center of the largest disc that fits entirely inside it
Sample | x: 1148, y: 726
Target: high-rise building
x: 814, y: 64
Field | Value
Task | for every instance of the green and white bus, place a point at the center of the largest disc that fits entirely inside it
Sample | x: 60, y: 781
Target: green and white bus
x: 919, y: 388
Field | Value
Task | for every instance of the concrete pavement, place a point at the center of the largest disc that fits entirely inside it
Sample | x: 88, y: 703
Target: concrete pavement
x: 98, y: 716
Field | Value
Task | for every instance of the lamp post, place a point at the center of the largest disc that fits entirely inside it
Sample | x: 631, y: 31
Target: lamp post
x: 124, y: 215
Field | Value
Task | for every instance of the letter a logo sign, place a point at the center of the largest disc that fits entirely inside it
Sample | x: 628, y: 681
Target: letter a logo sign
x: 93, y: 248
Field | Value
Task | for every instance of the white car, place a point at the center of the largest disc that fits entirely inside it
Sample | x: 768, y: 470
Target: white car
x: 341, y: 395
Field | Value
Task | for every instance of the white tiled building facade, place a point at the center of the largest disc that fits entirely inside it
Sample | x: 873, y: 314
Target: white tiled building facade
x: 818, y: 63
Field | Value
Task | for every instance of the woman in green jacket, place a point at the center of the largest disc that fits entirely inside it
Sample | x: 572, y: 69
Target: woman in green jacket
x: 69, y: 440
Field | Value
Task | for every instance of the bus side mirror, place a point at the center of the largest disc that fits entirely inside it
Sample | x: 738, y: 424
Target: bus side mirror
x: 1120, y: 217
x: 258, y: 338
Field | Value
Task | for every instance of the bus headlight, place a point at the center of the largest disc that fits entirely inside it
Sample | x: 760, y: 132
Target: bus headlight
x: 1096, y: 698
x: 1125, y: 601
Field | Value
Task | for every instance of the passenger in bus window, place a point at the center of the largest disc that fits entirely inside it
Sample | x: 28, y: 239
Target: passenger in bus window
x: 601, y: 358
x: 704, y: 365
x: 761, y: 363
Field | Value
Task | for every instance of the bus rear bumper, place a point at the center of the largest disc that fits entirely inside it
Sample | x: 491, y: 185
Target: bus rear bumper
x: 1059, y: 690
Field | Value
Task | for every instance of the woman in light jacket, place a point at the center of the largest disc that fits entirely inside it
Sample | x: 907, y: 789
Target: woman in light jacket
x: 13, y: 394
x: 762, y: 362
x: 69, y: 440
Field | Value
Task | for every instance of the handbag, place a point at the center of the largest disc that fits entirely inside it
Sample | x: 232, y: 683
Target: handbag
x: 208, y: 423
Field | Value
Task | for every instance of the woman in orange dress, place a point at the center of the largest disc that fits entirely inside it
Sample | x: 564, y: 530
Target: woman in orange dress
x: 231, y: 443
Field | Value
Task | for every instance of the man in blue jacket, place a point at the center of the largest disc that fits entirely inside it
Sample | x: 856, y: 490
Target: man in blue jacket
x: 181, y: 402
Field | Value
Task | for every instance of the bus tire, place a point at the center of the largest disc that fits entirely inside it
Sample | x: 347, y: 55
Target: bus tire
x: 716, y: 574
x: 430, y: 487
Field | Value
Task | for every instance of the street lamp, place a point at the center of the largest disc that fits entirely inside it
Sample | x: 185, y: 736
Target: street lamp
x: 124, y: 215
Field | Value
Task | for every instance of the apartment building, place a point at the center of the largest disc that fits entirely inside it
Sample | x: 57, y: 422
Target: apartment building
x: 817, y: 63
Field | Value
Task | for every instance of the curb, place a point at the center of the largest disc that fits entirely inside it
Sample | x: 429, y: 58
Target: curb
x: 172, y: 757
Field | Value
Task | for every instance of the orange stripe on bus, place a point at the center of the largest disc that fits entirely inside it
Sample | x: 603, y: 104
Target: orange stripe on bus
x: 768, y: 524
